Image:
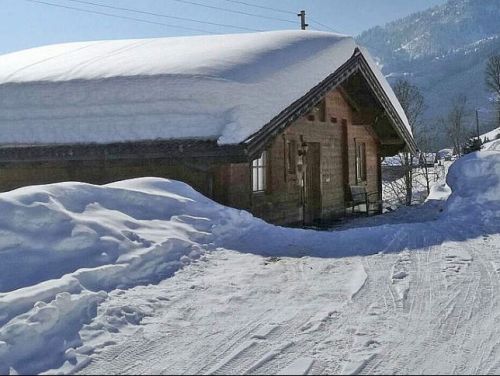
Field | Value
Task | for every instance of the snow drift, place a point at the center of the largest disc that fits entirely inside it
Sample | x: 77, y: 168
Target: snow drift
x: 65, y: 246
x: 475, y: 182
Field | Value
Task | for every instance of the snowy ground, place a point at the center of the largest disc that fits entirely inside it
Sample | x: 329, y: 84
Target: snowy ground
x: 171, y: 282
x: 492, y: 145
x: 432, y: 310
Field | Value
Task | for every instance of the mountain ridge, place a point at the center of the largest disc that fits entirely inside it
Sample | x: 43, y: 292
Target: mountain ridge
x: 443, y: 50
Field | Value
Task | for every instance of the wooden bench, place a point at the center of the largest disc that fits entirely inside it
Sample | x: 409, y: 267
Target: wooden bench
x: 359, y: 196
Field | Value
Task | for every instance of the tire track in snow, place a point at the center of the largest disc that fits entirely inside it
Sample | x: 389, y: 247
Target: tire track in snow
x: 264, y: 356
x: 376, y: 295
x: 316, y: 331
x: 483, y: 303
x: 411, y: 320
x: 420, y: 336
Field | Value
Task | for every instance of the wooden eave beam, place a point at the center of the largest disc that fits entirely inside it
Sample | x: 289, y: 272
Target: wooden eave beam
x: 175, y: 150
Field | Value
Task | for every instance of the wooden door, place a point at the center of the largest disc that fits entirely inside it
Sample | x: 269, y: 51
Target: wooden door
x: 313, y: 183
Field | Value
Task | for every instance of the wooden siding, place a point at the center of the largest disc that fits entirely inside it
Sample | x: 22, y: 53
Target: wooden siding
x: 17, y: 175
x: 282, y: 202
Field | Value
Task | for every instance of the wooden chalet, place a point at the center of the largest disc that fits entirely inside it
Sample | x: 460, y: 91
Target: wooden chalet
x: 300, y: 167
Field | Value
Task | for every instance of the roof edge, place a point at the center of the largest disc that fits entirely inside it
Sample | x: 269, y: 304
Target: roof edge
x: 387, y: 104
x: 153, y: 149
x: 257, y: 141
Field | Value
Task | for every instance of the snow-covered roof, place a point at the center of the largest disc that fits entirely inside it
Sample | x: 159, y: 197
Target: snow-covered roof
x: 222, y: 87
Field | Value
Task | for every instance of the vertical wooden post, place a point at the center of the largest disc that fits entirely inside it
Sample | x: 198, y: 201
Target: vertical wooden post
x: 379, y: 177
x: 345, y: 160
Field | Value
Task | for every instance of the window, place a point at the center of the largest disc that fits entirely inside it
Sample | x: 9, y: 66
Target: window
x: 360, y: 162
x: 259, y: 173
x: 291, y: 162
x: 333, y: 120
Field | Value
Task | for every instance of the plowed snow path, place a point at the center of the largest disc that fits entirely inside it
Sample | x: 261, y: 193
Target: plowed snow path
x: 428, y: 310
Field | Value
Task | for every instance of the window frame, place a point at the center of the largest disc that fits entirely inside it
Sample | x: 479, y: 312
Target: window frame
x: 360, y: 162
x: 259, y: 173
x: 291, y: 157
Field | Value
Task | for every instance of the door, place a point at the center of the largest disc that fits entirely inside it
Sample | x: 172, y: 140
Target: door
x: 312, y: 186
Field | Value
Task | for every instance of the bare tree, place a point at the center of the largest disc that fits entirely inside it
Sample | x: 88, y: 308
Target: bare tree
x: 412, y: 102
x: 426, y: 158
x: 455, y: 123
x: 493, y: 80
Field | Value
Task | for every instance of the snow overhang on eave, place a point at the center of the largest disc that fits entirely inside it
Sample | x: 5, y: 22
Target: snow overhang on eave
x: 258, y: 142
x: 398, y: 123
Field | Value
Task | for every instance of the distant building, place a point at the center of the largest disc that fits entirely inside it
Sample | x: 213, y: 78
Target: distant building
x: 283, y: 124
x: 427, y: 159
x: 445, y: 154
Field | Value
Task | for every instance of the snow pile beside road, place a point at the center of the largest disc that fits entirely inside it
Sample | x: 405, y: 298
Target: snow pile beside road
x: 475, y: 182
x: 64, y: 246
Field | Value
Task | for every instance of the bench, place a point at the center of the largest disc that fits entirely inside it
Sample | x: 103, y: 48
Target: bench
x: 359, y: 196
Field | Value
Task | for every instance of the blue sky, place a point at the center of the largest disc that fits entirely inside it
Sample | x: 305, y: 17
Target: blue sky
x: 25, y: 24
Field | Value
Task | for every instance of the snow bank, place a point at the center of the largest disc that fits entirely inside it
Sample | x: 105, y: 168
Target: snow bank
x: 204, y: 87
x: 475, y: 182
x: 64, y: 246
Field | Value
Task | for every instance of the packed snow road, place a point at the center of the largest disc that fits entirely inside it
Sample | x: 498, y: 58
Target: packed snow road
x: 148, y: 276
x: 432, y: 310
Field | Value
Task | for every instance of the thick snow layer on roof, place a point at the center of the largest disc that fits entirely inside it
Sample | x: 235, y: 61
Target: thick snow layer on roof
x: 223, y: 87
